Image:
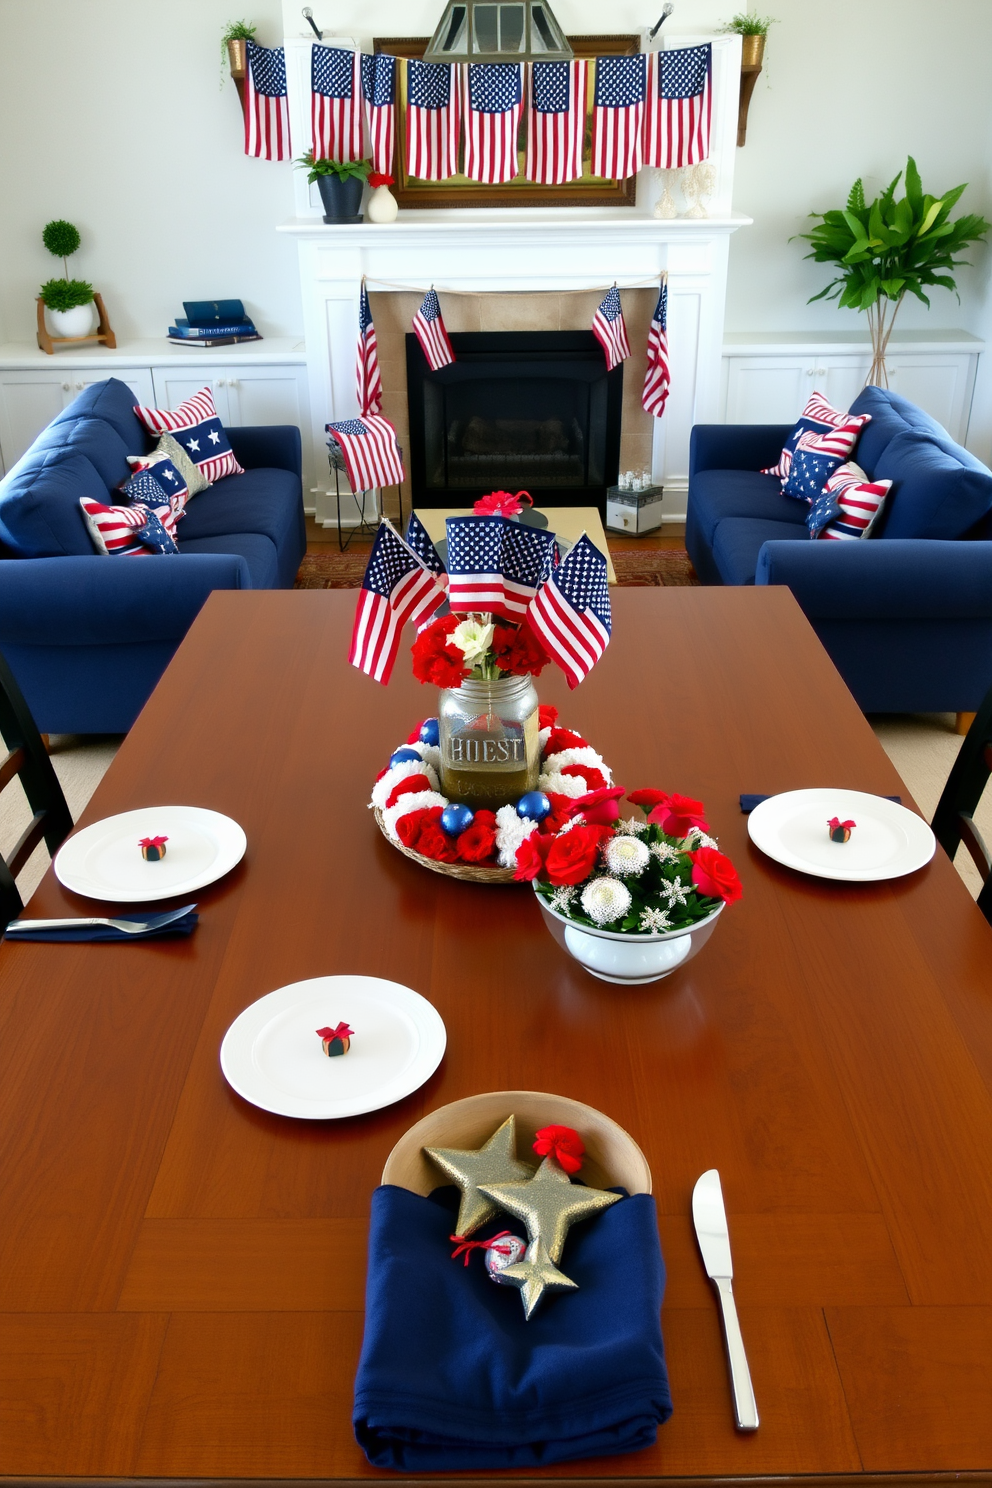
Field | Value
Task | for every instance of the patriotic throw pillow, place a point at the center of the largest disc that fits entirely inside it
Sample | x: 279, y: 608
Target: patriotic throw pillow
x: 821, y: 430
x: 127, y: 531
x: 168, y: 449
x: 156, y: 484
x: 809, y: 472
x: 849, y: 505
x: 195, y: 427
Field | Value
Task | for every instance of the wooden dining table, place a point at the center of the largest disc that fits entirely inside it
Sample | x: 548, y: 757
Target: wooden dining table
x: 181, y: 1273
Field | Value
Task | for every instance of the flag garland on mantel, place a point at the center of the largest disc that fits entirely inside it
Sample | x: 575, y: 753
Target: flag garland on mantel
x: 336, y: 103
x: 657, y: 379
x: 556, y: 121
x: 680, y: 106
x: 610, y: 330
x: 494, y: 95
x: 379, y: 93
x: 429, y: 329
x: 433, y: 120
x: 618, y: 116
x: 266, y: 104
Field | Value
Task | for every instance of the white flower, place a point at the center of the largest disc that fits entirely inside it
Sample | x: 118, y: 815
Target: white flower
x: 696, y: 837
x: 473, y: 637
x: 664, y: 852
x: 511, y: 830
x: 655, y: 920
x: 573, y: 821
x: 633, y: 828
x: 562, y: 898
x: 543, y: 735
x: 563, y: 785
x: 626, y: 856
x: 429, y: 753
x: 675, y: 893
x: 605, y: 900
x: 412, y: 801
x: 384, y: 788
x: 585, y: 755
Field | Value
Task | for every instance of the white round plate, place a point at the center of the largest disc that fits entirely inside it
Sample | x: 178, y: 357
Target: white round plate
x: 271, y: 1054
x: 887, y: 841
x: 104, y: 861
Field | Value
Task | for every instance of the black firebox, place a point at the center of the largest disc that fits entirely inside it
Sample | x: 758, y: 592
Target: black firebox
x: 516, y: 410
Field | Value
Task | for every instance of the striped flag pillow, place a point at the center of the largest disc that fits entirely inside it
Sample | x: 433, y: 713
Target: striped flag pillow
x: 849, y: 506
x: 822, y: 430
x: 129, y: 531
x: 197, y: 429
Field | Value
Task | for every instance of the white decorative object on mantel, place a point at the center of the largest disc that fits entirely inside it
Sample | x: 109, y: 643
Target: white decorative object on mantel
x: 698, y: 182
x: 381, y: 206
x: 665, y: 208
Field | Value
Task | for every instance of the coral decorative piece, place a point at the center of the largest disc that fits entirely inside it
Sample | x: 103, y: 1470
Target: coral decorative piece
x: 153, y: 848
x: 336, y: 1041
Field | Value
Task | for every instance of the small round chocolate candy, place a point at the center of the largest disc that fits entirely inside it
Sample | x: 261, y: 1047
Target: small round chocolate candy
x: 455, y: 818
x: 534, y: 806
x: 506, y: 1251
x: 430, y: 733
x: 401, y: 756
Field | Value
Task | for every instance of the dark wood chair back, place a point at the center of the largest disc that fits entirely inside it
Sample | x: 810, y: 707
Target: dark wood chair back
x: 27, y: 759
x: 953, y: 821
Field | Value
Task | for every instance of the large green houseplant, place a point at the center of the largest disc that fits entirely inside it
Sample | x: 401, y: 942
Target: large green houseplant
x: 889, y: 248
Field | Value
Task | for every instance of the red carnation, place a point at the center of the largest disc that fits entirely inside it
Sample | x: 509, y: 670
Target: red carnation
x: 531, y: 855
x: 561, y: 810
x: 408, y: 785
x: 379, y: 178
x: 409, y: 824
x: 562, y: 738
x: 647, y: 798
x: 478, y: 842
x: 434, y: 660
x: 594, y: 779
x: 484, y: 818
x: 562, y: 1143
x: 434, y: 843
x: 518, y: 651
x: 572, y: 858
x: 547, y: 715
x: 715, y: 875
x: 600, y: 807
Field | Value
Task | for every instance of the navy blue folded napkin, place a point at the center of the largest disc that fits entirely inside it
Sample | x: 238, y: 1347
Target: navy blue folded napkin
x: 748, y: 803
x: 185, y: 926
x: 453, y: 1378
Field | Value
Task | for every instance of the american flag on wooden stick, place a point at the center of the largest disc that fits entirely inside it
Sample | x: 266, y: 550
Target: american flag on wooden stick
x: 556, y: 121
x: 266, y: 104
x: 433, y: 119
x: 429, y: 329
x: 496, y: 565
x: 396, y: 588
x: 571, y: 612
x: 370, y: 451
x: 367, y: 368
x: 657, y: 379
x: 610, y: 330
x: 618, y: 116
x: 679, y: 107
x: 419, y: 539
x: 379, y: 93
x: 336, y: 103
x: 493, y: 105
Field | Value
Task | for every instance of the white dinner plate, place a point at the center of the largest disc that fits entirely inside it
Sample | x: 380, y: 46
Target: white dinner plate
x: 271, y: 1054
x: 887, y: 841
x: 104, y: 861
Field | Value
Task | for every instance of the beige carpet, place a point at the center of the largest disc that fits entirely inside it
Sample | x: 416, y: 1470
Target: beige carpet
x: 921, y: 746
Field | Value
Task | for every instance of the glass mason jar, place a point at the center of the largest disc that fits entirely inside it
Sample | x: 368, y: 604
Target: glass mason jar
x: 490, y: 753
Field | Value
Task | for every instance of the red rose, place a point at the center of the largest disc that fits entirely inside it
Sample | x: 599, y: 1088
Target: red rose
x: 547, y: 715
x: 518, y: 651
x: 599, y: 807
x: 715, y: 875
x: 408, y: 826
x: 434, y: 843
x: 408, y: 784
x: 561, y: 810
x: 595, y: 779
x: 563, y: 1143
x: 530, y: 857
x: 561, y: 738
x: 675, y: 814
x: 572, y: 857
x: 477, y: 843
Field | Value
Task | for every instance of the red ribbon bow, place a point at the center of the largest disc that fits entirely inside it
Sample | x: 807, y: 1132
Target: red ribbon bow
x: 152, y: 841
x: 836, y: 822
x: 467, y: 1246
x: 502, y: 504
x: 342, y: 1032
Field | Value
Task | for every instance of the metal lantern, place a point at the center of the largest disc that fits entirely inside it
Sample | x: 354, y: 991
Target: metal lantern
x: 509, y: 31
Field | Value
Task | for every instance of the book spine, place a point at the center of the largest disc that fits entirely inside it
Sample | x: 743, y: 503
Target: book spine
x: 204, y: 345
x: 206, y: 333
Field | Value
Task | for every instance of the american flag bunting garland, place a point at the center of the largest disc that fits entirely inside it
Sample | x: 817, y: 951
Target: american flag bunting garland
x: 571, y: 612
x: 658, y: 378
x: 396, y: 588
x: 493, y: 105
x: 618, y: 116
x: 371, y: 453
x: 610, y: 330
x: 367, y: 370
x: 433, y: 120
x: 556, y: 121
x: 379, y: 94
x: 496, y: 565
x: 429, y: 329
x: 266, y: 104
x: 336, y: 103
x: 679, y: 107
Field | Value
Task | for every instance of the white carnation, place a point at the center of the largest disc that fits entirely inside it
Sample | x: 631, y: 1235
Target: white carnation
x: 604, y: 900
x: 572, y: 786
x: 412, y: 801
x: 585, y: 755
x: 626, y: 856
x: 543, y: 735
x: 384, y: 788
x: 511, y: 830
x: 429, y: 753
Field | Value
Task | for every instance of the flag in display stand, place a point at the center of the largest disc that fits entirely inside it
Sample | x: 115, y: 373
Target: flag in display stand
x: 379, y: 92
x: 266, y: 104
x: 396, y: 588
x: 428, y: 327
x: 618, y: 116
x: 371, y: 453
x: 496, y: 565
x: 556, y: 121
x: 432, y: 120
x: 494, y: 100
x: 679, y: 107
x: 367, y: 370
x: 419, y: 539
x: 571, y: 612
x: 336, y: 103
x: 610, y: 330
x: 658, y: 378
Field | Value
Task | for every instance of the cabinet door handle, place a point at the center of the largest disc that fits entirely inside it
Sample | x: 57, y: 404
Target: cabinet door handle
x: 810, y: 371
x: 221, y: 382
x: 233, y: 382
x: 821, y: 371
x: 66, y: 386
x: 79, y: 387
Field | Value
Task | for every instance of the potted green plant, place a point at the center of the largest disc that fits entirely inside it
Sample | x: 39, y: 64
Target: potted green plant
x: 889, y: 248
x: 753, y: 30
x: 69, y: 307
x: 234, y: 42
x: 340, y: 184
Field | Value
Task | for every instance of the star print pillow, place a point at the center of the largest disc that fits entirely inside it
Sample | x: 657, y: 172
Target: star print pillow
x: 849, y: 505
x: 195, y: 427
x: 821, y: 430
x: 168, y: 452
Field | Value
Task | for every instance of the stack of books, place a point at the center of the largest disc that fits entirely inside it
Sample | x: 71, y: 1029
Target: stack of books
x: 212, y: 323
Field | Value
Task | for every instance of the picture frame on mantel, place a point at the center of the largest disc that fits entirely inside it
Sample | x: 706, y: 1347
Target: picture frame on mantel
x: 459, y: 191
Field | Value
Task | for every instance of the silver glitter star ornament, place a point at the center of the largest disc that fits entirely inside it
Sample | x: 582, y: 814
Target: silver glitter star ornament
x: 549, y: 1203
x: 535, y: 1275
x: 495, y: 1162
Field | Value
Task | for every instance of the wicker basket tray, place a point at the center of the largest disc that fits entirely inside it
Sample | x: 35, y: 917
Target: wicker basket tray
x: 467, y: 872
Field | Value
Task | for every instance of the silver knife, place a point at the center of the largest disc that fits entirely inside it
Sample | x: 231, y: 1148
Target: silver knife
x: 710, y: 1218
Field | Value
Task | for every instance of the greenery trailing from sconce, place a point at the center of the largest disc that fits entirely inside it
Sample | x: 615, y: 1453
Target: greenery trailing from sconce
x: 746, y: 24
x: 344, y: 169
x: 888, y: 248
x: 234, y: 31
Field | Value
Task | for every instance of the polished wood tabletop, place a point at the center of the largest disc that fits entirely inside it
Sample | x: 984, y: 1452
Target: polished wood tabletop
x: 181, y: 1274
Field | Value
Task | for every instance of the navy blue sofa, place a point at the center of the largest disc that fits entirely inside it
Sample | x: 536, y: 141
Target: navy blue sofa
x: 906, y: 614
x: 88, y: 637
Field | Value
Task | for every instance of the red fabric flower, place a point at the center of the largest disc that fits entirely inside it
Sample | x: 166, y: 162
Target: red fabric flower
x: 599, y: 807
x: 715, y: 875
x: 572, y: 858
x: 434, y: 660
x: 477, y: 843
x: 409, y: 784
x: 518, y: 651
x: 563, y: 1143
x: 676, y: 814
x: 530, y: 856
x: 484, y: 818
x: 379, y: 178
x: 502, y: 504
x: 561, y: 810
x: 435, y: 843
x: 562, y: 738
x: 408, y: 826
x: 547, y: 715
x: 595, y: 779
x: 414, y: 736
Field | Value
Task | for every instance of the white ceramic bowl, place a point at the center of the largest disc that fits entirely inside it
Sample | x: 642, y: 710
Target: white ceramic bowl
x: 628, y: 959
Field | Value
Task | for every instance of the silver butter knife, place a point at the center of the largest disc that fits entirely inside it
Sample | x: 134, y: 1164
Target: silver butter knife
x: 710, y: 1218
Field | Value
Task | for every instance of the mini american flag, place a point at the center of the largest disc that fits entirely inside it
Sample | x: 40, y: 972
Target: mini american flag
x: 618, y: 116
x: 433, y: 119
x: 657, y: 379
x: 379, y: 92
x: 428, y: 327
x: 494, y: 94
x: 610, y: 330
x: 571, y: 612
x: 336, y: 103
x: 679, y: 107
x: 396, y: 588
x: 266, y: 104
x: 367, y: 368
x: 418, y: 538
x: 496, y: 565
x: 556, y: 121
x: 371, y: 454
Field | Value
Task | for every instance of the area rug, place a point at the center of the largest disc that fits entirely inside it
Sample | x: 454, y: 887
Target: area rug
x: 652, y: 567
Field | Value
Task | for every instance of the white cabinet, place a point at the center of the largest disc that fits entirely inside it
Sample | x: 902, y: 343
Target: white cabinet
x: 30, y: 398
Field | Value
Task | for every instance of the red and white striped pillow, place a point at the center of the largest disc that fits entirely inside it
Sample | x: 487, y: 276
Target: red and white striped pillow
x: 115, y: 529
x: 197, y: 428
x: 860, y: 500
x: 822, y: 430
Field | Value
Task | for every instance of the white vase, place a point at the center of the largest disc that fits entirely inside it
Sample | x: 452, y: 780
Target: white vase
x: 628, y: 959
x: 81, y: 320
x: 381, y: 206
